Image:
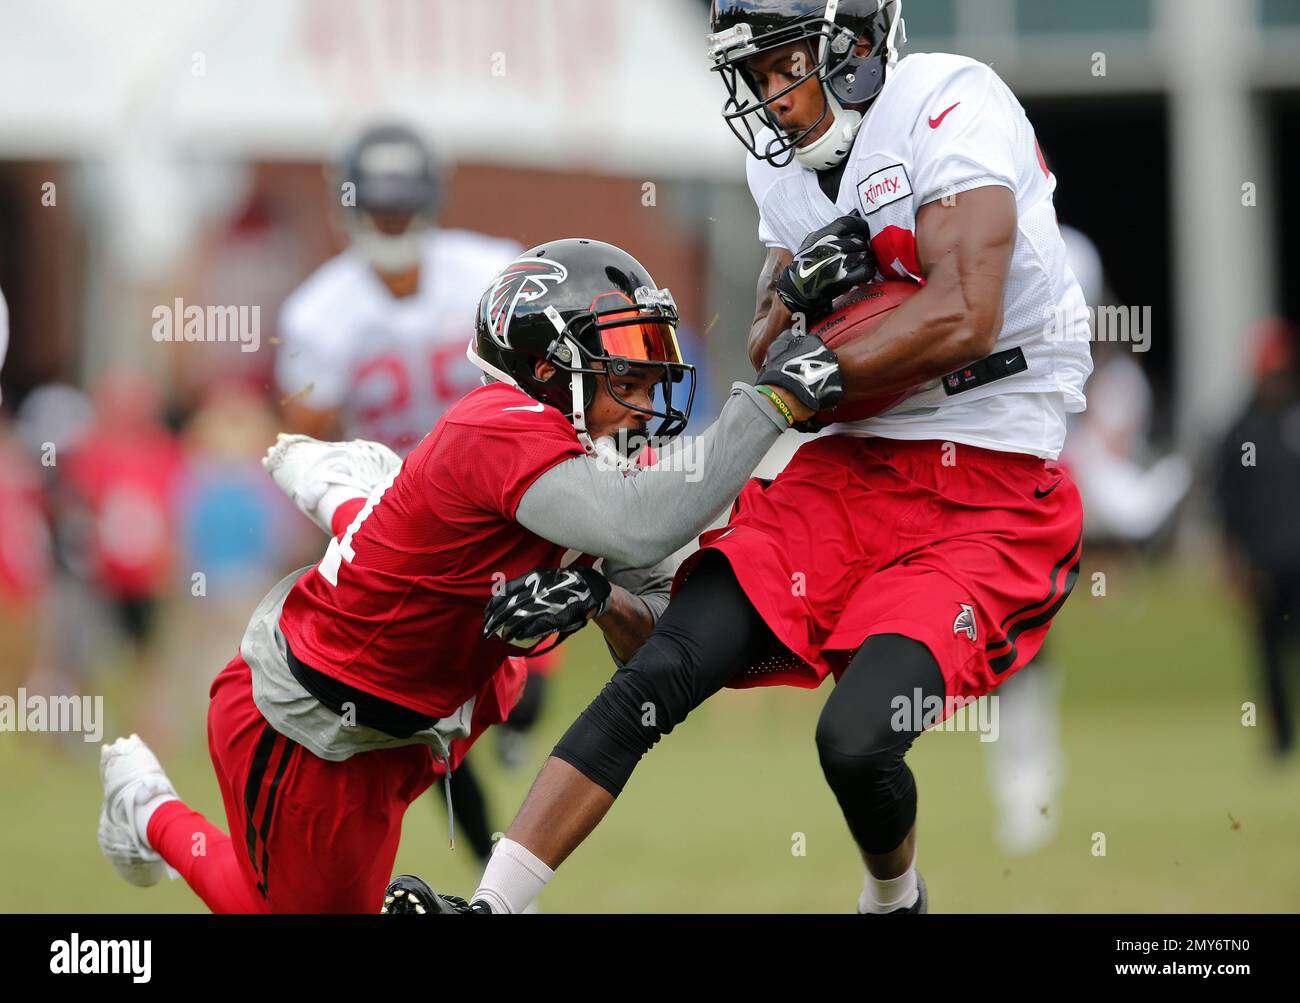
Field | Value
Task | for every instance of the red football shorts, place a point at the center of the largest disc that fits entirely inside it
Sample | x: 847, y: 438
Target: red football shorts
x: 317, y: 836
x: 967, y: 550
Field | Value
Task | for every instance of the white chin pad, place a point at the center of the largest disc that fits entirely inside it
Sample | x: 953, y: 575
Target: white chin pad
x: 609, y: 455
x: 836, y: 143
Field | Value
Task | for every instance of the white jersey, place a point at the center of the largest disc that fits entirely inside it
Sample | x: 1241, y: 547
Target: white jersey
x: 392, y: 366
x: 942, y: 125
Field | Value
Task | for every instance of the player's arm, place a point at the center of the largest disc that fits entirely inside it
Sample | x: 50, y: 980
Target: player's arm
x: 640, y: 596
x: 586, y: 505
x: 626, y: 624
x: 771, y: 316
x: 964, y: 250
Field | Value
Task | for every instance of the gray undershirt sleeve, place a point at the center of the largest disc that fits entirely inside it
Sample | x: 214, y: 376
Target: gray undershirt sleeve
x: 638, y: 520
x: 650, y: 586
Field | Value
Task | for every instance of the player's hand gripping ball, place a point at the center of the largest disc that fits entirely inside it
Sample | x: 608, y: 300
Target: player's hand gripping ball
x: 545, y: 602
x: 804, y: 366
x: 831, y: 261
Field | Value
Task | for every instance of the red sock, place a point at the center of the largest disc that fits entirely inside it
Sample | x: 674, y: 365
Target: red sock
x: 208, y: 865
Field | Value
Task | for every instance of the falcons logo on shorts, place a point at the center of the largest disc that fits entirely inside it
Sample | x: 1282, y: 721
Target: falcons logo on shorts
x: 520, y: 281
x: 965, y: 622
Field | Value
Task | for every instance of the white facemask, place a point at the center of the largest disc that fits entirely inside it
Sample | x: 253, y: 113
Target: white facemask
x: 388, y: 254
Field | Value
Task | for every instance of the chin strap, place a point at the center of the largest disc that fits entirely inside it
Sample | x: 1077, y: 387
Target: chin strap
x: 489, y: 370
x: 579, y: 414
x: 891, y: 48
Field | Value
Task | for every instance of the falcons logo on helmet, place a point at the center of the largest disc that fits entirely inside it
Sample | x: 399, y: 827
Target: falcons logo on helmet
x: 520, y: 281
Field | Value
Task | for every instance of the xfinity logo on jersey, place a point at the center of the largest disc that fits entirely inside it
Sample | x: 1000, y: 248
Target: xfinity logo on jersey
x: 889, y: 184
x: 75, y: 956
x: 521, y: 281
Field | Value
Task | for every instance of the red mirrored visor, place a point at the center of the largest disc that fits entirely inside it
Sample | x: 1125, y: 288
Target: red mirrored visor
x: 639, y: 341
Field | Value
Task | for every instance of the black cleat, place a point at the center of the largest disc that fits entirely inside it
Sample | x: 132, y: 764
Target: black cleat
x: 407, y: 895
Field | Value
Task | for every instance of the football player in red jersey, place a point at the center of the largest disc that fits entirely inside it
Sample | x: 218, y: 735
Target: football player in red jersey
x: 361, y: 680
x: 372, y: 344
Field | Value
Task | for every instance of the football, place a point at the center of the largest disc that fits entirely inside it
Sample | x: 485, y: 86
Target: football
x: 857, y: 314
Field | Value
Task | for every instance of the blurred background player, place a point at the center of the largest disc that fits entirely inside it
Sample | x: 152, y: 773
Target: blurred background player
x: 24, y: 547
x: 1128, y: 499
x: 373, y: 342
x: 1130, y: 489
x: 113, y: 489
x: 1258, y: 491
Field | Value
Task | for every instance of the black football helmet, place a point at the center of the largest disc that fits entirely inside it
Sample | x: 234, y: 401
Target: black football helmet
x: 393, y: 172
x: 593, y: 312
x: 742, y: 28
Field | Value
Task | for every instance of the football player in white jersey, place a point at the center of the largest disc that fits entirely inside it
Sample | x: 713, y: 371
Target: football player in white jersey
x: 373, y: 342
x: 920, y: 555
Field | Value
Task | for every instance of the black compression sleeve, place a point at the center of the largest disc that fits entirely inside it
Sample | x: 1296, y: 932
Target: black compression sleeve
x: 708, y: 635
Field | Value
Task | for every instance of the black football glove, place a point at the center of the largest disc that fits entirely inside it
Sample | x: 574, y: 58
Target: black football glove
x: 545, y: 602
x: 830, y: 262
x: 803, y: 365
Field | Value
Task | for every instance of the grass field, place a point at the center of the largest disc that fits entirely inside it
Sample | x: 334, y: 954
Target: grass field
x: 1196, y: 817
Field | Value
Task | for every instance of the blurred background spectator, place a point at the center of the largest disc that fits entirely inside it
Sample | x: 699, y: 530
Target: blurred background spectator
x: 1258, y: 492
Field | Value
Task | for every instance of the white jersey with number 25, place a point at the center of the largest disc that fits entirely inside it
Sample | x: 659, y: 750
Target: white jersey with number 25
x: 391, y: 366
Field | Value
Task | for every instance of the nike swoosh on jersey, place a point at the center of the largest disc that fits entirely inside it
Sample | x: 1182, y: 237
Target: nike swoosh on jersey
x: 530, y: 407
x: 1044, y: 494
x: 936, y: 122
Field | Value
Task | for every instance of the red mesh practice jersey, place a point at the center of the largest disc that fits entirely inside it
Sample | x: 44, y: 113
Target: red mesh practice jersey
x: 396, y: 606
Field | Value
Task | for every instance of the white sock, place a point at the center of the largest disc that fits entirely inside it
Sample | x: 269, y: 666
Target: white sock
x: 881, y: 895
x: 512, y: 879
x: 334, y: 496
x: 144, y: 812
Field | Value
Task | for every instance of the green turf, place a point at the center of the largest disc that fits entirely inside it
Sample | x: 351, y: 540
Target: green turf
x: 1196, y: 818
